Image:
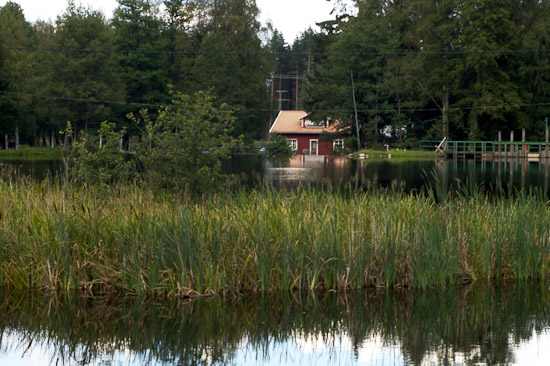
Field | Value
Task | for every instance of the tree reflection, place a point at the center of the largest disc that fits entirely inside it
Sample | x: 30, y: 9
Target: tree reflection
x: 478, y: 324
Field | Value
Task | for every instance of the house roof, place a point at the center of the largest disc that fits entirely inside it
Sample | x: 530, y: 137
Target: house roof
x: 291, y: 122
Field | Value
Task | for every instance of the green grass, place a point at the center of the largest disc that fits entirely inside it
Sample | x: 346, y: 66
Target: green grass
x: 31, y: 153
x: 124, y: 239
x: 397, y: 154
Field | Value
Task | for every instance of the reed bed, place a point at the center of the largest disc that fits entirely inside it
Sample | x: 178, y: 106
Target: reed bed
x: 127, y: 240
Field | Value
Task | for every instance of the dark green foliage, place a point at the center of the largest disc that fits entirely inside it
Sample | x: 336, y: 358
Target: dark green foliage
x: 81, y: 75
x: 139, y: 27
x: 229, y: 64
x: 278, y: 147
x: 100, y: 160
x: 15, y: 74
x: 438, y: 68
x: 183, y: 149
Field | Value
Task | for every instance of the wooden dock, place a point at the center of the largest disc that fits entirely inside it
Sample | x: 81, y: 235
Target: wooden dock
x: 489, y: 150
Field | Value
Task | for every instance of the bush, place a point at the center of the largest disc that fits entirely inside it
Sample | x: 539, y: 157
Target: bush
x: 278, y: 147
x: 99, y: 160
x: 181, y: 150
x: 184, y: 148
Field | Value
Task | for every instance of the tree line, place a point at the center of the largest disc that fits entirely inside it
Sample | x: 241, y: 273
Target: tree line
x: 421, y: 69
x: 86, y: 69
x: 426, y: 69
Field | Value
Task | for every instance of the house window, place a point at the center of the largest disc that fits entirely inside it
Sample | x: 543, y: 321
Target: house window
x: 293, y: 143
x: 338, y: 144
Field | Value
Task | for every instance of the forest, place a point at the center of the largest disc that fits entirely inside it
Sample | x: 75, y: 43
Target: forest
x: 418, y: 69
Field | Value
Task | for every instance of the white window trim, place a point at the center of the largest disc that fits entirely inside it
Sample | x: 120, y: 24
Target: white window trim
x: 341, y: 144
x: 293, y: 143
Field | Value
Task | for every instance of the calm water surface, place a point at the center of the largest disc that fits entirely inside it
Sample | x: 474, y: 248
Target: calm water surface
x: 407, y: 175
x: 468, y: 326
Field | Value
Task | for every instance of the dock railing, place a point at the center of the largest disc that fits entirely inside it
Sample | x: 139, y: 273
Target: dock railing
x: 504, y: 149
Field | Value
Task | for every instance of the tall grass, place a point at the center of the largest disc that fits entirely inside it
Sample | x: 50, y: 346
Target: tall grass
x: 125, y: 239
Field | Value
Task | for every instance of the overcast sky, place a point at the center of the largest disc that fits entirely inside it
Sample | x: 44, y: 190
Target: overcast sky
x: 289, y: 16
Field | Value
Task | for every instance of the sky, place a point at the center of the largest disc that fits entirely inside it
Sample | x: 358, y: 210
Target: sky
x: 288, y: 16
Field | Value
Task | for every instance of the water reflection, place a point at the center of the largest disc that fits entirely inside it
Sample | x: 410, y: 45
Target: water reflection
x: 505, y: 175
x: 502, y: 175
x: 38, y: 169
x: 476, y: 325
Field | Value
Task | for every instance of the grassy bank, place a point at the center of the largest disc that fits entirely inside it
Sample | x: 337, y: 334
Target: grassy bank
x: 397, y: 154
x: 126, y: 240
x: 31, y: 153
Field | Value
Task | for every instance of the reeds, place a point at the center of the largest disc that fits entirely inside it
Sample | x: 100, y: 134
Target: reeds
x: 127, y: 240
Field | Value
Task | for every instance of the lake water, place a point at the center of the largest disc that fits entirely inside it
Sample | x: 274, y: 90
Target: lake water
x: 406, y: 175
x: 478, y: 325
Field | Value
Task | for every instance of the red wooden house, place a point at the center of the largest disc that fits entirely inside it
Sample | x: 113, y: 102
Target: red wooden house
x: 303, y: 134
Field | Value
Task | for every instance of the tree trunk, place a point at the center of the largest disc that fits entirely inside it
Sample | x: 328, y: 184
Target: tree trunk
x: 86, y: 118
x: 17, y: 138
x: 65, y: 141
x: 400, y: 136
x: 474, y: 123
x: 7, y: 142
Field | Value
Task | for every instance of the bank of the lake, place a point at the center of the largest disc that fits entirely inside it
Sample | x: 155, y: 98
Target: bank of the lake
x: 394, y: 154
x: 127, y: 240
x: 32, y: 153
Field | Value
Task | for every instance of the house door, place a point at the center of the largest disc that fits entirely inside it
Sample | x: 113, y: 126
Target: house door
x: 313, y: 147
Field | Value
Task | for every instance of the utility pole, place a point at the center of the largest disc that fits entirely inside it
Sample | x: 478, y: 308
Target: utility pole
x: 271, y: 104
x: 280, y: 91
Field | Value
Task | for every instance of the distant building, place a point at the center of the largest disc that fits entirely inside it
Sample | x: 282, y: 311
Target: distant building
x: 303, y: 134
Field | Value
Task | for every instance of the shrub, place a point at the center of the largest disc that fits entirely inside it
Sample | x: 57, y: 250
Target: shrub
x: 278, y: 147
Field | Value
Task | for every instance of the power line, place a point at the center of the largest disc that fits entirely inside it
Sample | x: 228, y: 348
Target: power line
x: 402, y: 110
x: 273, y: 54
x: 76, y: 99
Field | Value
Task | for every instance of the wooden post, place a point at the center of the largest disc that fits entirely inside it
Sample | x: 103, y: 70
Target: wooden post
x: 524, y: 153
x: 499, y: 146
x: 17, y: 138
x: 511, y: 143
x: 546, y: 153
